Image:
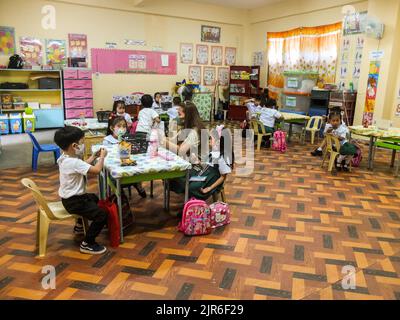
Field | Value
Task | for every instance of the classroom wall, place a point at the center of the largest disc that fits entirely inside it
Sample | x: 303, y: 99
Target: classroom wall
x: 159, y: 23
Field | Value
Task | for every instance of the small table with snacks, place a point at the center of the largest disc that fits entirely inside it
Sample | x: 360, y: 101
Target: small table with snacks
x: 374, y: 133
x: 166, y: 165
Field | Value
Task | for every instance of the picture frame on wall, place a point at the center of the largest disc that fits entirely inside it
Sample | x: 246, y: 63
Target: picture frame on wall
x: 223, y: 76
x: 194, y: 74
x: 209, y: 76
x: 210, y: 34
x: 202, y: 54
x: 186, y: 53
x: 216, y: 55
x: 230, y: 56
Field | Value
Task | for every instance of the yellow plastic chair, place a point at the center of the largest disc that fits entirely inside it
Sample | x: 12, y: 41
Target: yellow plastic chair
x: 47, y: 212
x: 332, y: 150
x: 314, y: 125
x: 256, y: 125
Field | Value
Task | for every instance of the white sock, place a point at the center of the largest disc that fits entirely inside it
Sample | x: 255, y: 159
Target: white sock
x: 341, y: 158
x: 319, y: 149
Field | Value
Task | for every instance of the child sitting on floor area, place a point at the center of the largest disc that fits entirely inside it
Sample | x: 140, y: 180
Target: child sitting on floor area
x: 73, y: 179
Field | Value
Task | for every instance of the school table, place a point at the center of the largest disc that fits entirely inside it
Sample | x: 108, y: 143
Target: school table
x: 91, y: 125
x: 294, y: 118
x: 166, y: 165
x: 391, y: 135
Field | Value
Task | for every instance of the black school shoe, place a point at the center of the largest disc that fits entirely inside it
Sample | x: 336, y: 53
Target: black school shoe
x: 92, y: 248
x: 317, y: 153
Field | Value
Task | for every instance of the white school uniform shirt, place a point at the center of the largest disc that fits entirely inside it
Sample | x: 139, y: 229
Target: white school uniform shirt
x: 268, y: 116
x: 252, y: 108
x: 145, y: 120
x: 342, y: 131
x: 173, y: 112
x: 110, y: 140
x: 223, y: 167
x: 73, y: 178
x: 156, y: 105
x: 126, y: 116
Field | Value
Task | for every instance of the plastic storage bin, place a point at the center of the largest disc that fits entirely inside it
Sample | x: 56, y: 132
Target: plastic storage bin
x: 15, y: 123
x: 296, y: 103
x: 29, y: 122
x: 298, y: 81
x: 4, y: 124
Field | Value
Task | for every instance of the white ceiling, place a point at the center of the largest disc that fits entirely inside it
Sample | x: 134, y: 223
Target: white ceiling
x: 242, y: 4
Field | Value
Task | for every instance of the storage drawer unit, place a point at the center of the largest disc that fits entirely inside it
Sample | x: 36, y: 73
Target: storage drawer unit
x: 78, y: 93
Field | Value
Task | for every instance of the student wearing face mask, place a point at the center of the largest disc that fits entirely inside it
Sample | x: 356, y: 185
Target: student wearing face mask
x: 116, y: 129
x: 73, y: 180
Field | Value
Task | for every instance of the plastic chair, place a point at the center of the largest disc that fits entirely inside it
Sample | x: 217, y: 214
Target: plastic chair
x: 395, y: 147
x: 256, y: 125
x: 47, y: 212
x: 332, y: 149
x: 37, y: 148
x: 221, y: 193
x: 314, y: 125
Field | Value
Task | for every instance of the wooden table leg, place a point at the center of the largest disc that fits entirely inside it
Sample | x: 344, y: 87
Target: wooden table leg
x: 393, y: 158
x: 119, y: 201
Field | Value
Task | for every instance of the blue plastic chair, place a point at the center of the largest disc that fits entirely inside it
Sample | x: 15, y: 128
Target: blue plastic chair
x: 37, y: 148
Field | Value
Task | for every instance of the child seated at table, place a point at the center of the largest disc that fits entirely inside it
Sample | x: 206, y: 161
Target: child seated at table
x: 253, y: 106
x: 116, y: 129
x: 269, y: 114
x: 119, y: 111
x: 73, y: 180
x: 157, y: 101
x: 147, y: 117
x: 173, y: 111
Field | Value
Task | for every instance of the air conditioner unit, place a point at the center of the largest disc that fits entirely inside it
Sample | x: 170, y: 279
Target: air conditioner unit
x: 374, y: 28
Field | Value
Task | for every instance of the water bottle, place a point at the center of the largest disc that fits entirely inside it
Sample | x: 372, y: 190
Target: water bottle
x: 153, y: 144
x: 82, y: 119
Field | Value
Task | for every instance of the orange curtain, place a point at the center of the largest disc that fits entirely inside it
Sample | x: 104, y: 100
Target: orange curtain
x: 303, y: 49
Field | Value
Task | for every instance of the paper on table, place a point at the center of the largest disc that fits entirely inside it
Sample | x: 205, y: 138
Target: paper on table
x: 164, y: 60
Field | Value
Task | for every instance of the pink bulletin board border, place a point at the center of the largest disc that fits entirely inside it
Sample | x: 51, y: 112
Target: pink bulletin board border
x: 117, y: 61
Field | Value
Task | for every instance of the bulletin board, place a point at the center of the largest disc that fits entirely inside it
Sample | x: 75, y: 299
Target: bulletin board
x: 133, y: 61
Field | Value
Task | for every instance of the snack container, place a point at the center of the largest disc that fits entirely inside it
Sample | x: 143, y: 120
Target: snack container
x: 124, y: 150
x: 15, y: 123
x: 4, y: 124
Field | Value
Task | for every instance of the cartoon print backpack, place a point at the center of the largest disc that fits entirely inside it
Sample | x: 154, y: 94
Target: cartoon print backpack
x: 196, y: 218
x: 356, y: 161
x: 220, y: 214
x: 279, y: 141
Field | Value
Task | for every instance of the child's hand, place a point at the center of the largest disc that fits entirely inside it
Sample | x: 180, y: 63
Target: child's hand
x: 103, y: 153
x: 205, y: 190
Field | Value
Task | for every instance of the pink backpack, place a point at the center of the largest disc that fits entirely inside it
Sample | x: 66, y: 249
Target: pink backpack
x: 220, y: 214
x: 196, y: 218
x: 279, y: 141
x: 133, y: 128
x: 356, y: 161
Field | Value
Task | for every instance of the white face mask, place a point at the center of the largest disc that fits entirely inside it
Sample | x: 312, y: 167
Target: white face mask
x: 120, y: 132
x: 80, y: 150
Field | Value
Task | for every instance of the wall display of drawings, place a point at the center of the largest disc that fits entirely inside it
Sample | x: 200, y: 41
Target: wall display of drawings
x: 209, y: 76
x: 210, y: 34
x: 355, y: 23
x: 195, y: 74
x: 7, y: 40
x: 223, y: 76
x: 258, y: 58
x: 230, y: 56
x: 133, y: 61
x: 186, y: 53
x: 216, y: 55
x: 77, y: 45
x: 31, y: 51
x: 56, y: 52
x: 201, y: 54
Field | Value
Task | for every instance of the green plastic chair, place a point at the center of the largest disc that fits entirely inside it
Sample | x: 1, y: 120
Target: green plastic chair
x: 393, y: 145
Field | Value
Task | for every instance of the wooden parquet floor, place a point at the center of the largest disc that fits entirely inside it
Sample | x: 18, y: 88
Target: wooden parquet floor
x: 294, y: 228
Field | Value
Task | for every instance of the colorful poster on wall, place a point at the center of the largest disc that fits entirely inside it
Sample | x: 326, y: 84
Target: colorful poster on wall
x: 230, y: 56
x: 7, y: 40
x: 223, y: 76
x: 216, y: 55
x: 201, y: 54
x: 210, y: 34
x: 372, y: 88
x: 137, y: 62
x: 186, y: 53
x: 195, y: 74
x: 77, y: 45
x: 31, y: 51
x: 56, y: 52
x: 209, y: 76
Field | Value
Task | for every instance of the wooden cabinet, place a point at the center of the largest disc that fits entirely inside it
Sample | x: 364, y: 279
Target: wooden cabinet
x: 346, y: 101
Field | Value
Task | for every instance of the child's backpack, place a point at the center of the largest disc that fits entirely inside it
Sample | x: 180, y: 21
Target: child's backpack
x: 356, y: 161
x: 133, y: 128
x: 127, y: 216
x: 112, y: 221
x: 279, y: 141
x: 220, y: 214
x: 196, y: 218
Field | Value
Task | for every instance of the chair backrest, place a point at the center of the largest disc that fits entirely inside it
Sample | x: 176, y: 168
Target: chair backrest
x: 256, y: 126
x: 332, y: 143
x: 315, y: 123
x: 39, y: 199
x: 35, y: 143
